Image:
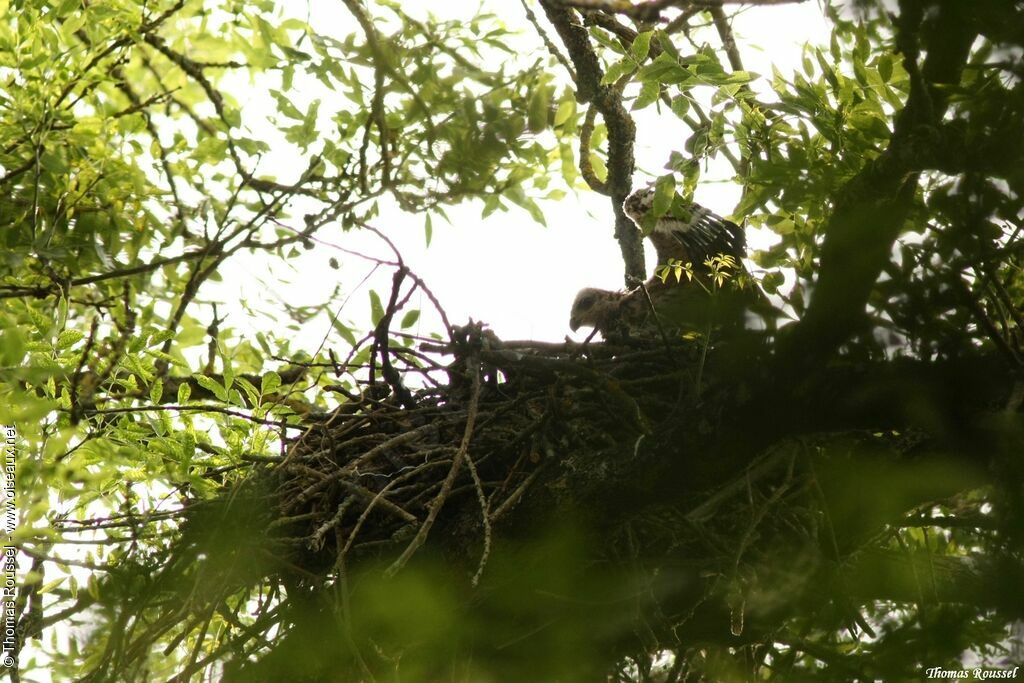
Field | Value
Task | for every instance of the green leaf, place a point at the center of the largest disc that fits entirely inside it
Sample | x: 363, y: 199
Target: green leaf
x: 567, y: 157
x: 156, y: 391
x: 308, y: 131
x: 184, y: 391
x: 664, y: 191
x: 680, y: 106
x: 537, y: 109
x: 860, y: 72
x: 649, y: 92
x: 618, y: 70
x: 566, y: 110
x: 409, y: 319
x: 160, y: 337
x: 600, y: 169
x: 69, y: 338
x: 665, y: 70
x: 697, y: 143
x: 212, y: 385
x: 519, y: 197
x: 641, y: 45
x: 869, y: 123
x: 376, y: 308
x: 344, y: 330
x: 772, y: 281
x: 885, y: 67
x: 739, y: 77
x: 827, y: 70
x: 136, y: 366
x: 782, y: 225
x: 251, y: 394
x: 808, y: 66
x: 285, y: 106
x: 269, y: 382
x: 73, y: 23
x: 491, y: 204
x: 667, y: 46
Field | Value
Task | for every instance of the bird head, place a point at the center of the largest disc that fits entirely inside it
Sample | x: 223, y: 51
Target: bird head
x: 593, y: 308
x: 639, y: 204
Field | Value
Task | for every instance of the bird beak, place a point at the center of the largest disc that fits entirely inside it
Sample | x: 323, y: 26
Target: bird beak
x: 574, y: 324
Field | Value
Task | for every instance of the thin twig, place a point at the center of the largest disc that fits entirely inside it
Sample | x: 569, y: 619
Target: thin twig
x: 460, y: 455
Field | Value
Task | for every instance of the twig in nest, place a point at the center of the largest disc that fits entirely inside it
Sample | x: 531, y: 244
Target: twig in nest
x: 353, y: 466
x: 381, y: 342
x: 485, y: 519
x: 446, y: 488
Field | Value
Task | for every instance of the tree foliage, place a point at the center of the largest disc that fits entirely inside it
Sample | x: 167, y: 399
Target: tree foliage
x: 841, y: 498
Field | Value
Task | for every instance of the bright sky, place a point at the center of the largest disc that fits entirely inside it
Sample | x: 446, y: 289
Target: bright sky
x: 507, y: 271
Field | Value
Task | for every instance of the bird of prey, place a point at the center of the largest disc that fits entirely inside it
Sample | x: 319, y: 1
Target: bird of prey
x: 687, y: 232
x: 685, y: 293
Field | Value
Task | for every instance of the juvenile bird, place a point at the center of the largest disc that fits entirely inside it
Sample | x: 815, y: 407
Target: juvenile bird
x: 686, y: 292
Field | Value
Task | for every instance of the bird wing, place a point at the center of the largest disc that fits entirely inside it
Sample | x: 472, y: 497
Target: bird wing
x: 692, y: 234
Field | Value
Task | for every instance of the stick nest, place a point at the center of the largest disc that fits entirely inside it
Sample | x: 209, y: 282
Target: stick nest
x: 501, y: 425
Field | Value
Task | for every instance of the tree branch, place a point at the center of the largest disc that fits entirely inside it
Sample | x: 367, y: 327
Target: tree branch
x: 871, y: 209
x: 621, y: 130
